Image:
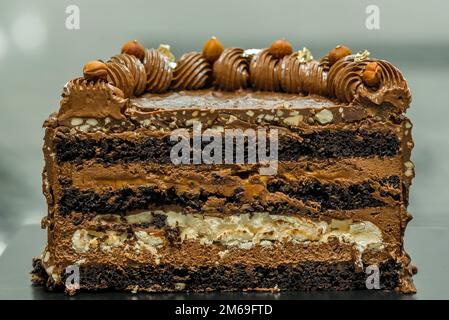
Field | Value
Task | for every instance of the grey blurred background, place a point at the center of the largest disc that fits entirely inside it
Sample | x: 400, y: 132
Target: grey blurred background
x: 38, y: 55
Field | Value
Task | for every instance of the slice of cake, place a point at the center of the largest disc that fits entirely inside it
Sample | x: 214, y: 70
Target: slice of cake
x: 229, y: 169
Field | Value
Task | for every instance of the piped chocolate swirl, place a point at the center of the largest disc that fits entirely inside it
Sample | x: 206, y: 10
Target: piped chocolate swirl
x: 230, y: 71
x: 127, y: 73
x: 158, y: 71
x: 192, y: 72
x: 345, y: 82
x: 264, y: 72
x: 308, y: 77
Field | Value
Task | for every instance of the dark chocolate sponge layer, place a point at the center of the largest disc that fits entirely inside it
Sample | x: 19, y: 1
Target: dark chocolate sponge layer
x: 306, y: 276
x: 321, y: 144
x: 328, y: 196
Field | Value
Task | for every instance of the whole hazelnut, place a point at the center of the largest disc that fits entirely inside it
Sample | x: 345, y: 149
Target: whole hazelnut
x: 134, y: 48
x: 281, y: 48
x: 337, y: 53
x: 212, y: 49
x: 95, y: 70
x: 371, y: 74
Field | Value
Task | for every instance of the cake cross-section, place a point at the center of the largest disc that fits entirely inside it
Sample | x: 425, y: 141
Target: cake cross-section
x: 229, y: 170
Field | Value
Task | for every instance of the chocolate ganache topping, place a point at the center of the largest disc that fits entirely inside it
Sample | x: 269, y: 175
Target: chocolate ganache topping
x: 192, y: 72
x: 346, y: 84
x: 298, y: 76
x: 159, y: 72
x: 230, y: 71
x: 264, y: 72
x: 127, y: 73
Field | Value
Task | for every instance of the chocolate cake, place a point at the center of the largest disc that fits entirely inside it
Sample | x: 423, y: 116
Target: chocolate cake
x: 309, y: 193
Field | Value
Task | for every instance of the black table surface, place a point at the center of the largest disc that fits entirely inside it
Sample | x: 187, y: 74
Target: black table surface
x: 428, y: 247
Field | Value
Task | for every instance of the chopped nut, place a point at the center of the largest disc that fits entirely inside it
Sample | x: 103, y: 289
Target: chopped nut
x: 266, y: 243
x: 408, y: 168
x: 324, y: 116
x: 190, y: 122
x: 47, y: 256
x: 223, y: 253
x: 180, y: 286
x: 76, y: 121
x: 231, y: 119
x: 92, y: 122
x: 409, y: 165
x: 145, y: 122
x: 293, y: 120
x: 84, y: 128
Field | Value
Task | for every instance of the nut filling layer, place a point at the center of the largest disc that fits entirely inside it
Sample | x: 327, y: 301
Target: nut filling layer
x: 243, y: 231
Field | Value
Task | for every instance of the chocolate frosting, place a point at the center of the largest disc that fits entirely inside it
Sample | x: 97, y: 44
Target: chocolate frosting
x: 264, y: 72
x: 192, y: 72
x: 159, y: 72
x: 82, y: 98
x: 132, y: 75
x: 345, y: 83
x: 230, y: 71
x: 325, y: 63
x: 302, y: 77
x: 237, y: 69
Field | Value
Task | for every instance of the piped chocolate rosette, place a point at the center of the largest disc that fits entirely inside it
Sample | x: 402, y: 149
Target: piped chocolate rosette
x: 264, y: 72
x: 231, y: 70
x: 299, y: 73
x: 158, y: 70
x: 358, y: 78
x: 192, y: 72
x: 127, y: 73
x: 280, y: 69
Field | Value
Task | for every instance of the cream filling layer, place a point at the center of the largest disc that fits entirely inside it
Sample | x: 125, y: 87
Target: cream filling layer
x: 240, y: 231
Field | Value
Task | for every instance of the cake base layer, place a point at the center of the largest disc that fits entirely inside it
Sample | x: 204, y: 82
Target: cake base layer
x: 306, y: 276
